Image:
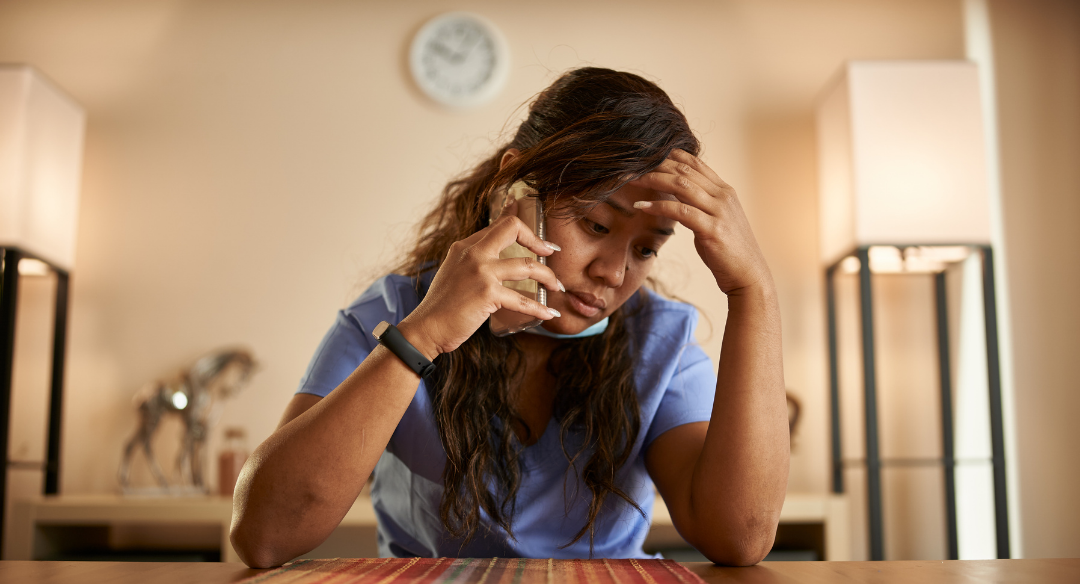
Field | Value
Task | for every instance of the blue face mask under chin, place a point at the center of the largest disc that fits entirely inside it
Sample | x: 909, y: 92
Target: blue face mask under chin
x: 595, y: 329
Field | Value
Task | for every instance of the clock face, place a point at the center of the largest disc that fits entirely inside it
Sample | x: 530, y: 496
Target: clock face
x: 459, y: 59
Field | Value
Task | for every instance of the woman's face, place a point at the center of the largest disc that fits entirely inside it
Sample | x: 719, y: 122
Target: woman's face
x: 605, y: 257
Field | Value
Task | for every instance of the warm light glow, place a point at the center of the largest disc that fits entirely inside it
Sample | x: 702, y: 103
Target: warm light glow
x: 940, y: 253
x: 922, y: 259
x: 885, y: 259
x: 932, y: 259
x: 32, y: 267
x: 850, y: 265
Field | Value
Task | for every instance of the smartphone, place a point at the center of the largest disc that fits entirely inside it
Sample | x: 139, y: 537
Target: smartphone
x: 531, y: 211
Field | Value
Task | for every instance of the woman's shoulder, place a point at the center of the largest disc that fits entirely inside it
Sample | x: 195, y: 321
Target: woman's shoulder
x: 661, y: 313
x: 653, y: 301
x: 393, y: 295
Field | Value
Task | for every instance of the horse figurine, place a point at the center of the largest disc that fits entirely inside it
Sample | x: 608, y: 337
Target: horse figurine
x: 195, y: 395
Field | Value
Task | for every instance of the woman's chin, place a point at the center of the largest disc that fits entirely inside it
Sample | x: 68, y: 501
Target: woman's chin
x: 566, y: 326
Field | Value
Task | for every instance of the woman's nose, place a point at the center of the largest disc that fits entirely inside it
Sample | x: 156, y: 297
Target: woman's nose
x: 609, y: 268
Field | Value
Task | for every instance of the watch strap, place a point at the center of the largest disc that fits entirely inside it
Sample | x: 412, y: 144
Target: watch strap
x: 390, y: 337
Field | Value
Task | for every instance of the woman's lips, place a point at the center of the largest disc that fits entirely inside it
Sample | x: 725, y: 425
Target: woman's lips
x: 585, y: 304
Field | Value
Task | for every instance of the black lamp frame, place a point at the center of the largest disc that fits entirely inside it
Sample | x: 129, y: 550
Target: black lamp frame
x: 874, y: 462
x: 9, y: 293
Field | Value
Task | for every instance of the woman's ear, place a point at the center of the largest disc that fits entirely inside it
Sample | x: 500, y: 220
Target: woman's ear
x: 510, y: 154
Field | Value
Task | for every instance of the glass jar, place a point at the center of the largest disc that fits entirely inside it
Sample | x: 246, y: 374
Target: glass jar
x: 233, y: 454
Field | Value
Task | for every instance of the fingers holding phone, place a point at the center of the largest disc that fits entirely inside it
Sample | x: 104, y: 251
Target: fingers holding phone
x: 522, y: 202
x: 480, y: 278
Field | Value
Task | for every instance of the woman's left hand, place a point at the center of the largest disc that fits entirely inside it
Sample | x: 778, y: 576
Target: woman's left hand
x: 709, y: 207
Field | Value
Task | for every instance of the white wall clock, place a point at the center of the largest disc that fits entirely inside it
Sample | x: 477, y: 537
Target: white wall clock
x: 459, y: 59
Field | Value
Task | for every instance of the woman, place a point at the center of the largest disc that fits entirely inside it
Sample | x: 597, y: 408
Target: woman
x: 547, y: 444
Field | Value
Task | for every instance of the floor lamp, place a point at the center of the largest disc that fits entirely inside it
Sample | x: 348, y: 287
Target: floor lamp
x: 903, y: 189
x: 41, y: 143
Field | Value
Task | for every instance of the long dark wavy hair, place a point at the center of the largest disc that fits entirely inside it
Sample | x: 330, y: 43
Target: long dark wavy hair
x: 589, y: 133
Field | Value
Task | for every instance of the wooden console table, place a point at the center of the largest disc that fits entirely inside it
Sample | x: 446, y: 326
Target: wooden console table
x: 43, y: 527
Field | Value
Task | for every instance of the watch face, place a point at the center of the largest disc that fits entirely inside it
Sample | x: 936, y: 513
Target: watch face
x: 459, y: 59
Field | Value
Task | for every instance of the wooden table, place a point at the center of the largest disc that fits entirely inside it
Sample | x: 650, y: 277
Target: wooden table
x: 967, y: 572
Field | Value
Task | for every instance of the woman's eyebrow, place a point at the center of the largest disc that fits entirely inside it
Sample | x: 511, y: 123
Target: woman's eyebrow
x: 619, y: 208
x: 629, y: 213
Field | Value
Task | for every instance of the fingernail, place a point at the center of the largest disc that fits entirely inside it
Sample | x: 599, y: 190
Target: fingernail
x: 554, y: 313
x: 561, y: 287
x: 552, y: 246
x: 643, y: 204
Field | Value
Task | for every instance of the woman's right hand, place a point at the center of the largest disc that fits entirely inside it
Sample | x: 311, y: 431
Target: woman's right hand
x: 468, y: 288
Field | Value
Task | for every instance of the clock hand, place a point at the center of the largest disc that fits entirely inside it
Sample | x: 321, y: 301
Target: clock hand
x: 464, y: 51
x: 443, y: 51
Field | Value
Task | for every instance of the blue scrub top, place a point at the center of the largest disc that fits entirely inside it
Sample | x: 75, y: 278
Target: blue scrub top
x: 675, y: 384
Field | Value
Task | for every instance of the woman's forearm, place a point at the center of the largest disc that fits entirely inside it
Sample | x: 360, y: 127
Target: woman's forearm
x: 740, y: 479
x: 300, y: 482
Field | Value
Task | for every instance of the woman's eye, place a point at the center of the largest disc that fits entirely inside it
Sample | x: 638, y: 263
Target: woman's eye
x: 648, y: 252
x: 595, y: 227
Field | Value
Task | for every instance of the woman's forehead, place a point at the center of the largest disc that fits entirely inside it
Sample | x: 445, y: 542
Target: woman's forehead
x: 620, y: 204
x: 631, y: 193
x: 624, y: 196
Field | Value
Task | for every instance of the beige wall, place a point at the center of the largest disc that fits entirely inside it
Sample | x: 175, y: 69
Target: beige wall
x: 250, y: 164
x: 1037, y: 48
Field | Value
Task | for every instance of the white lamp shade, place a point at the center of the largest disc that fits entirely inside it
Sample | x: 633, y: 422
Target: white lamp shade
x: 902, y: 157
x: 41, y: 142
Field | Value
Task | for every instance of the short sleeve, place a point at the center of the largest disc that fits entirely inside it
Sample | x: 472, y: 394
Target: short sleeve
x: 688, y: 396
x: 349, y: 340
x: 341, y: 351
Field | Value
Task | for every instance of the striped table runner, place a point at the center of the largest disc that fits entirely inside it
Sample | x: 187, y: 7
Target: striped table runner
x: 476, y: 570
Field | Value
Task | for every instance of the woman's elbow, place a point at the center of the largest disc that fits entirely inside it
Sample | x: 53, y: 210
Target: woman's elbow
x: 746, y: 554
x: 744, y: 546
x: 254, y: 548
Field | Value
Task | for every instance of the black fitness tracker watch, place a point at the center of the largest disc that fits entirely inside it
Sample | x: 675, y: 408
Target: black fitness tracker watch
x: 390, y: 337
